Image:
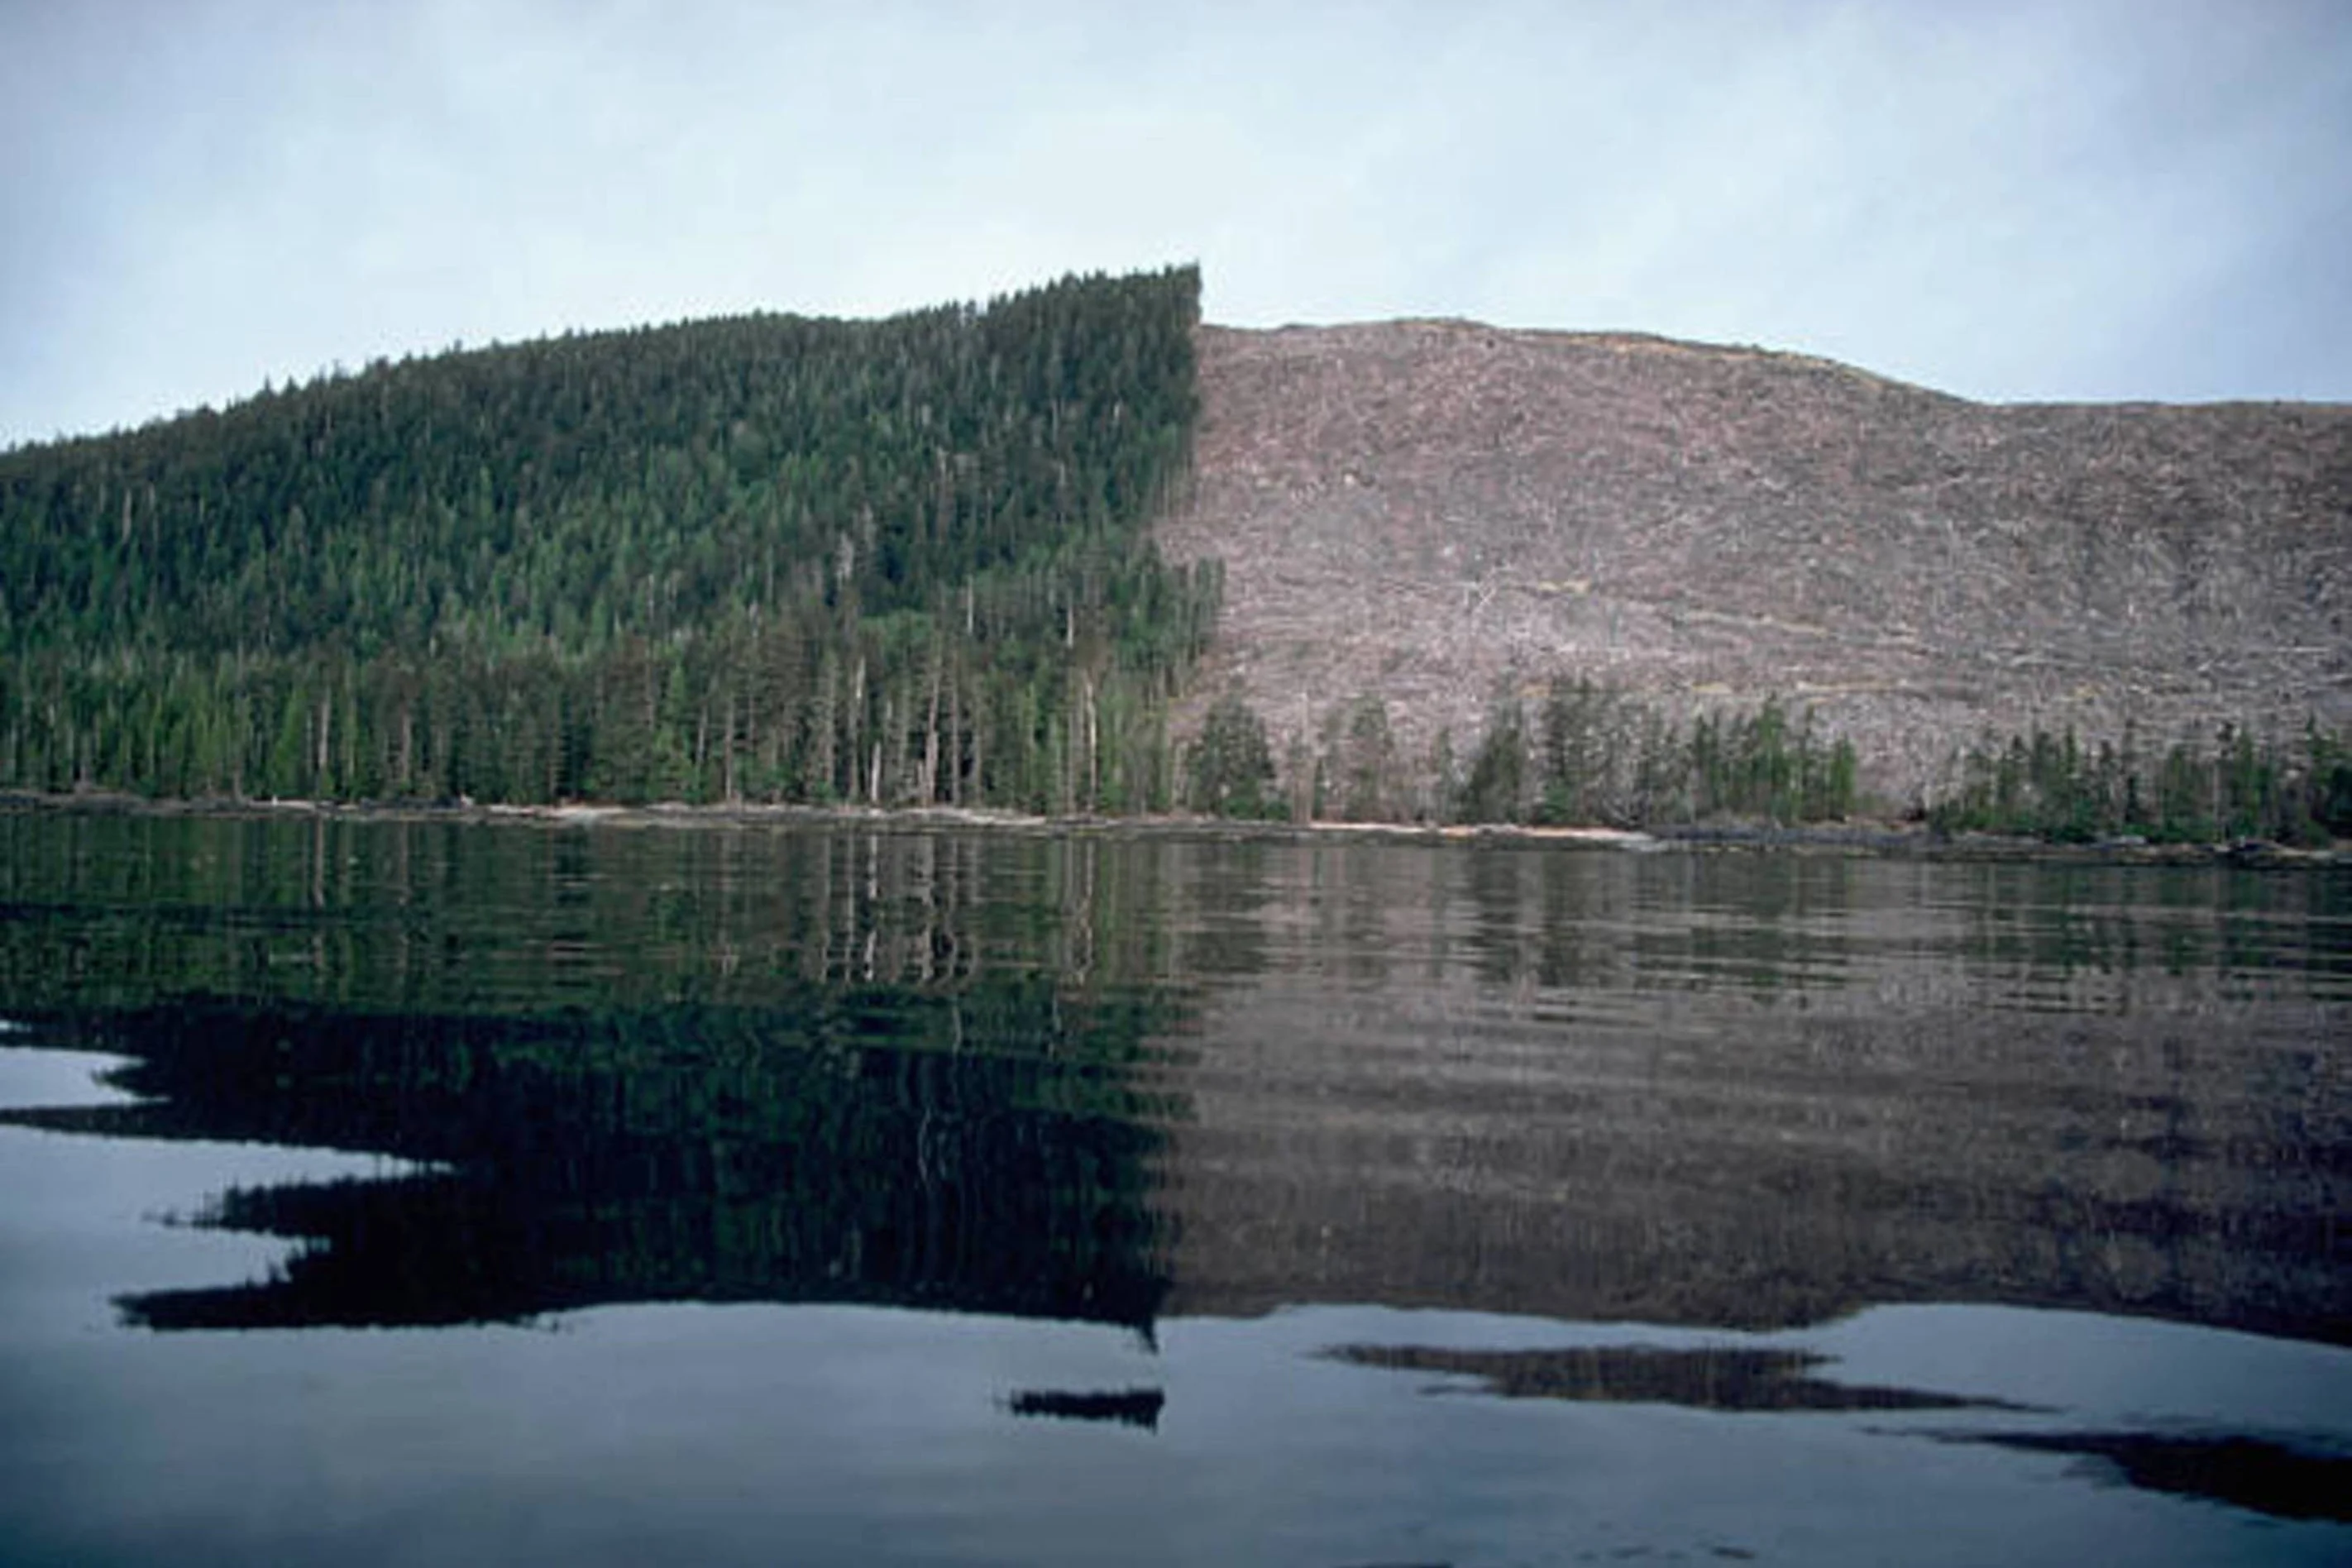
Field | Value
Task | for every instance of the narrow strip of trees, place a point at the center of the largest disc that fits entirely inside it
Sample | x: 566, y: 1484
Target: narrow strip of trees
x: 1587, y: 755
x: 2241, y: 787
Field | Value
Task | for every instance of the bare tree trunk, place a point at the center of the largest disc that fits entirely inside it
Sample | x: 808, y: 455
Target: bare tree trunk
x: 931, y: 739
x: 326, y: 722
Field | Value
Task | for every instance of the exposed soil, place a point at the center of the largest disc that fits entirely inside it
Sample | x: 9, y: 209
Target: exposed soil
x: 1436, y: 511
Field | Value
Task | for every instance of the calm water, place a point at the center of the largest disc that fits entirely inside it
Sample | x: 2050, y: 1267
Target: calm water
x: 432, y: 1194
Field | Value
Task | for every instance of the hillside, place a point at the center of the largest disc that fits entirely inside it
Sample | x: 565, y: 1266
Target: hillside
x: 1432, y: 511
x: 770, y: 557
x: 1073, y: 551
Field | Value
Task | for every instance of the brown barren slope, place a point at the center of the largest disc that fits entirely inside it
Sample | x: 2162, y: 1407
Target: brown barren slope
x: 1436, y: 511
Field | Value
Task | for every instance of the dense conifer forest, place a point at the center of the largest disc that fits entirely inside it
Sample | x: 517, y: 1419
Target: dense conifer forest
x: 765, y: 558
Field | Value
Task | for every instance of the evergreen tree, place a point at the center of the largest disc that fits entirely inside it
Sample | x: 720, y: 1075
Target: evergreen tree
x: 1495, y: 789
x: 1231, y: 771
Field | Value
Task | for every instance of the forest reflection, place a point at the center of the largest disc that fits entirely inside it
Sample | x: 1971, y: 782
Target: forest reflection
x: 872, y: 1146
x: 881, y: 1067
x: 1114, y: 1077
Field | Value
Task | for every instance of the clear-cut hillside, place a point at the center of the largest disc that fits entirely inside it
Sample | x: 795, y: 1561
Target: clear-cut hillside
x: 1433, y: 511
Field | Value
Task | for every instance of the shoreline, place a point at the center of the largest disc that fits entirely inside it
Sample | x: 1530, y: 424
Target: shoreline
x: 1876, y: 839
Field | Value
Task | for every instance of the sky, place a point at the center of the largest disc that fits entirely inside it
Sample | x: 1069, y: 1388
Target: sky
x: 2059, y: 200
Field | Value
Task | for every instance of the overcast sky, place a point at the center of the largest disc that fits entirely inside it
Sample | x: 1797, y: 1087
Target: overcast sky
x: 2136, y: 200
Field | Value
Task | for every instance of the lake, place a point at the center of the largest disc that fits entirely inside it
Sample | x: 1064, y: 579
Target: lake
x: 424, y: 1192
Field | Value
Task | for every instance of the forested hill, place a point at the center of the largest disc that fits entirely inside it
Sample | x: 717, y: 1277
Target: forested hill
x: 769, y: 557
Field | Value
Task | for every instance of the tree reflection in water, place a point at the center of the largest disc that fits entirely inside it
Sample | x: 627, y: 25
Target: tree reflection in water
x: 977, y: 1152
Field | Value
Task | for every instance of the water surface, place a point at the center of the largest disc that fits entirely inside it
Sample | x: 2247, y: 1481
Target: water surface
x: 406, y: 1192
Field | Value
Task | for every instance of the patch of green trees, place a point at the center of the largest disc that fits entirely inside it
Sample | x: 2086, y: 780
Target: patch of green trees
x: 1230, y: 768
x: 1586, y: 755
x: 2051, y: 786
x: 765, y: 558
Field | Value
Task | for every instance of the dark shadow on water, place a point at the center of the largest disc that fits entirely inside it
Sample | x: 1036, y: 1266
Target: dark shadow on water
x: 1704, y: 1379
x: 2257, y: 1474
x: 1138, y: 1407
x: 2252, y: 1473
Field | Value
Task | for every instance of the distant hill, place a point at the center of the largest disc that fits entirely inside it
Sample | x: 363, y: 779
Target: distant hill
x: 1436, y: 511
